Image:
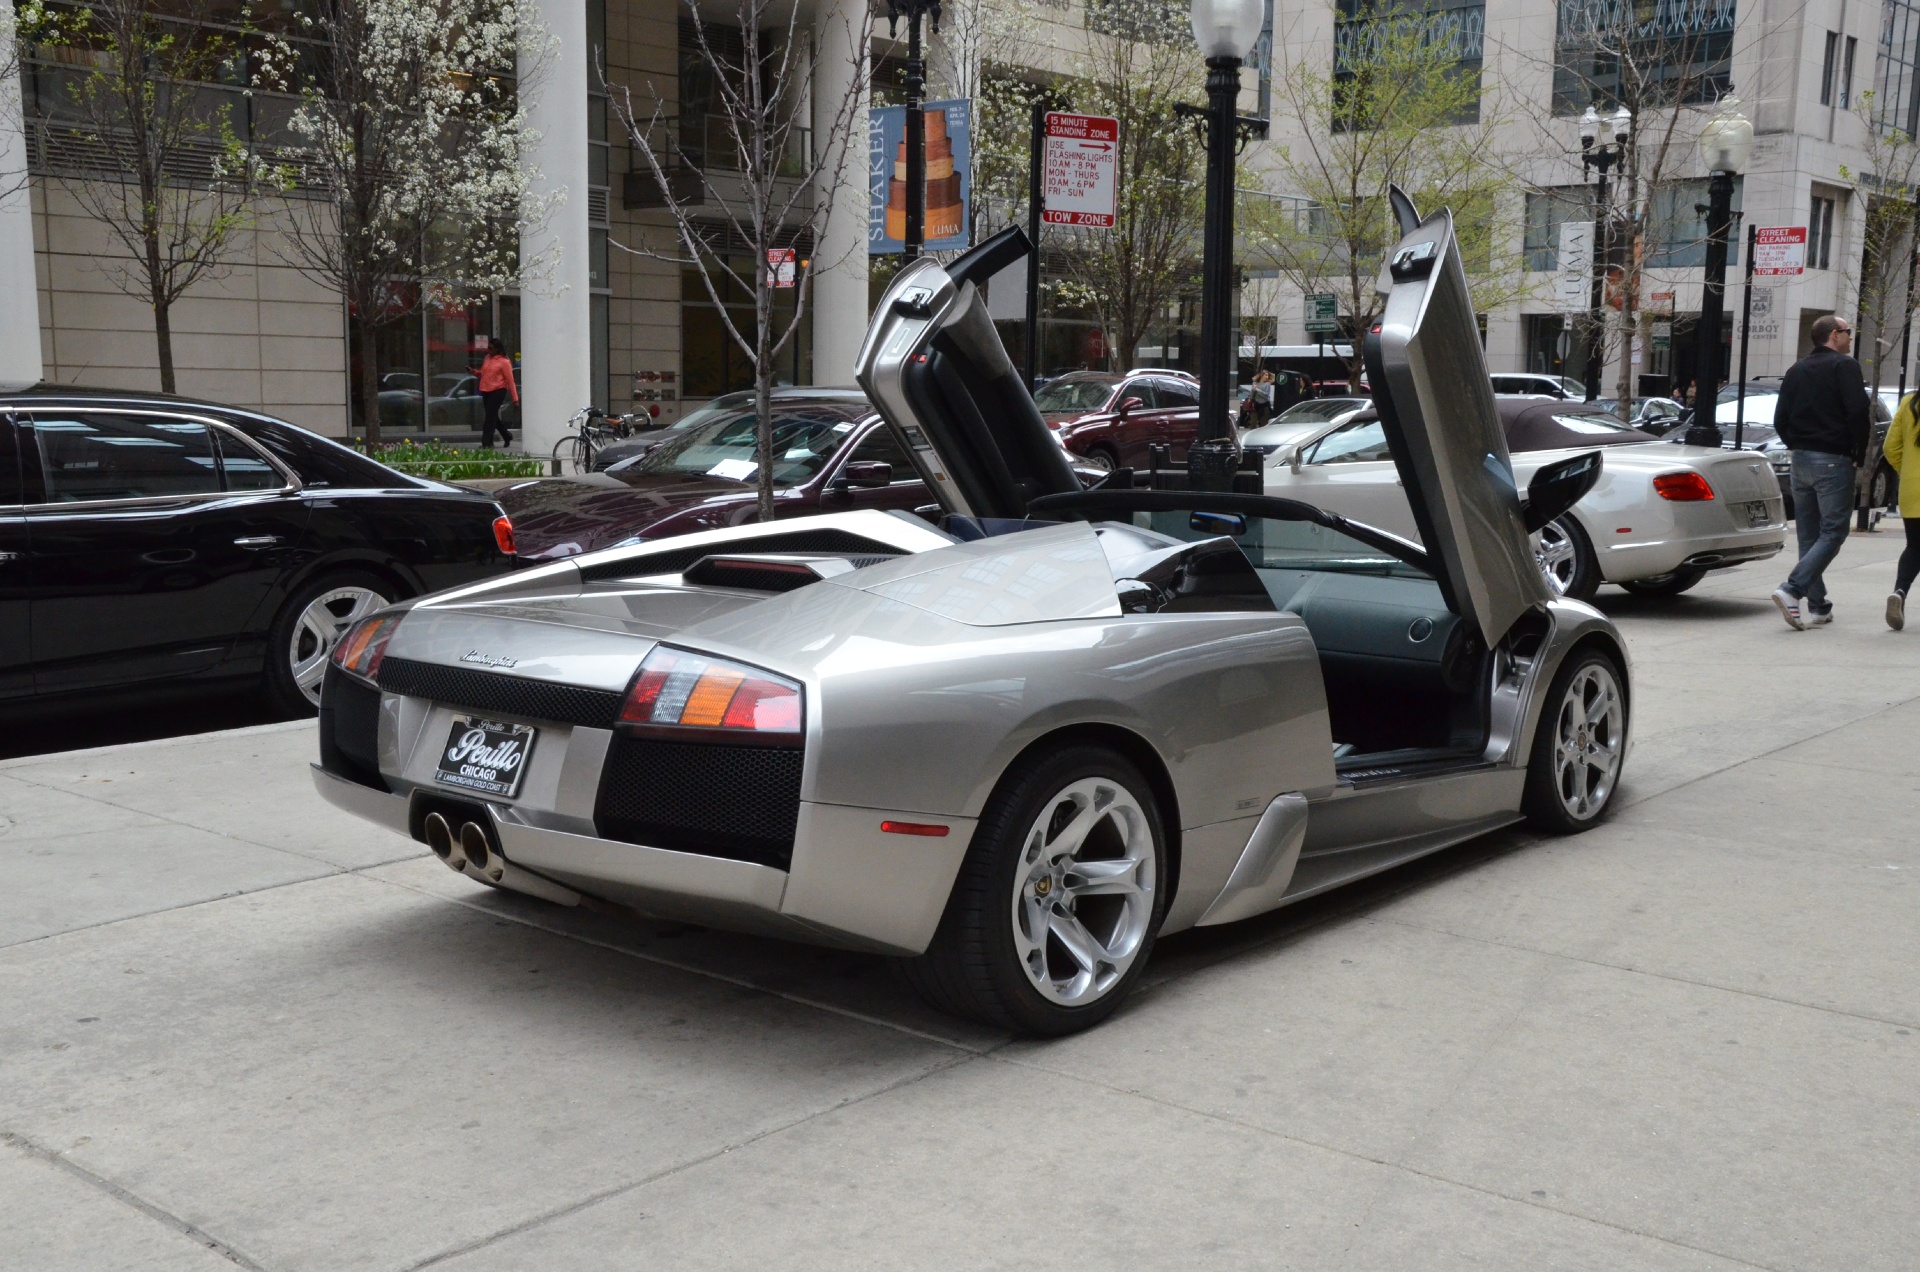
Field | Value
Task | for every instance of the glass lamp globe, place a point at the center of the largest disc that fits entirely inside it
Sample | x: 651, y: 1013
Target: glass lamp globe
x: 1227, y: 28
x: 1589, y: 128
x: 1622, y: 123
x: 1727, y: 141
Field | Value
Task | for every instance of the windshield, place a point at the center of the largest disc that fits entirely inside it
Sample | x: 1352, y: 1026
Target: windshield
x: 1074, y: 395
x: 803, y: 442
x: 1319, y: 410
x: 1272, y: 545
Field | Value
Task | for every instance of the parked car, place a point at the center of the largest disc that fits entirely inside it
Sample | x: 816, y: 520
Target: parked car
x: 1533, y: 384
x: 1274, y: 440
x: 727, y: 403
x: 1110, y: 420
x: 702, y: 475
x: 1656, y: 415
x: 1659, y: 518
x: 148, y: 541
x: 1877, y: 485
x: 1011, y: 752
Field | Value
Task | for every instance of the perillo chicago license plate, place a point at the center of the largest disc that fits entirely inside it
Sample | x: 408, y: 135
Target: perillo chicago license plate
x: 486, y: 756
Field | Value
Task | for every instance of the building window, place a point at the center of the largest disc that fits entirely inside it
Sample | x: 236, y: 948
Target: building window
x: 1827, y: 66
x: 1547, y: 211
x: 1820, y: 234
x: 1677, y: 225
x: 711, y: 360
x: 1846, y: 75
x: 1691, y: 44
x: 1456, y: 27
x: 1896, y: 99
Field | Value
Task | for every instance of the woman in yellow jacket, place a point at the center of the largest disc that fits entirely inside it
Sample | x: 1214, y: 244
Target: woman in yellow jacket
x: 1903, y: 443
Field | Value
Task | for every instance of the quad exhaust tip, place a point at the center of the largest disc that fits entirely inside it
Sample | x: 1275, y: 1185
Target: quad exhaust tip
x: 466, y: 850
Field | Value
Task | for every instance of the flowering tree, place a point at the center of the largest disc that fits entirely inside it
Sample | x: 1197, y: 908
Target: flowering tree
x: 146, y: 155
x: 403, y: 167
x: 20, y: 24
x: 753, y: 180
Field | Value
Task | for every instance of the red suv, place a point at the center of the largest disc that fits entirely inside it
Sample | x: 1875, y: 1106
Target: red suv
x: 1109, y: 420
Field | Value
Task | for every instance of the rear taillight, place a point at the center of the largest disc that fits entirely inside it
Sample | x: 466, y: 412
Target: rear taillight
x: 1682, y: 487
x: 678, y: 690
x: 503, y: 534
x: 365, y: 644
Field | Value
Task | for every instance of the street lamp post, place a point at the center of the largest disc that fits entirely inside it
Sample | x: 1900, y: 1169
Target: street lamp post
x: 1725, y: 144
x: 1613, y: 134
x: 1225, y: 30
x: 913, y: 11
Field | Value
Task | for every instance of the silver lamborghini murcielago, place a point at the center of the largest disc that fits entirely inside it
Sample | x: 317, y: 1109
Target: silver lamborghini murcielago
x: 1016, y: 748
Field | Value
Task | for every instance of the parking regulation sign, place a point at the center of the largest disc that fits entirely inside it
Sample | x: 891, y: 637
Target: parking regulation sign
x: 1779, y: 249
x: 1078, y: 170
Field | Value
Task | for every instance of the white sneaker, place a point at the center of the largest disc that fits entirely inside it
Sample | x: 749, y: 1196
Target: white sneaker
x: 1897, y: 610
x: 1789, y: 608
x: 1810, y: 617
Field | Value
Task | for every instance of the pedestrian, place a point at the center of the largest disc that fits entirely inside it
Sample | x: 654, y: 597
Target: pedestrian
x: 1823, y: 416
x: 1258, y: 408
x: 496, y: 386
x: 1903, y: 444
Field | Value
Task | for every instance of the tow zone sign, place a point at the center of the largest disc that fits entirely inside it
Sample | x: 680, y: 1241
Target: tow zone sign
x: 1078, y: 171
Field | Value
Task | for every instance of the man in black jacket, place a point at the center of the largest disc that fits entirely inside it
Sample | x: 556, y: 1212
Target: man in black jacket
x: 1824, y: 417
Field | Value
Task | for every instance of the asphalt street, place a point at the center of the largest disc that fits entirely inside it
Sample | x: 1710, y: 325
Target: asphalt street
x: 243, y: 1029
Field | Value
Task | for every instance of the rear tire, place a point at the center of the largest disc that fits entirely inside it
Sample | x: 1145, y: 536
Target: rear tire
x: 306, y: 629
x: 1665, y: 584
x: 1053, y: 915
x: 1566, y: 559
x: 1578, y: 746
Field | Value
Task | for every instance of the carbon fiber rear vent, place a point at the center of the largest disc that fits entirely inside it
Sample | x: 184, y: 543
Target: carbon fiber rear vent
x: 350, y: 729
x: 675, y: 560
x: 737, y: 802
x: 496, y: 691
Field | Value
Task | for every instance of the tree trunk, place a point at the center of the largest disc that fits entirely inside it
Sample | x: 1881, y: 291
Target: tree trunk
x: 163, y: 340
x: 763, y: 409
x: 162, y: 307
x: 370, y: 386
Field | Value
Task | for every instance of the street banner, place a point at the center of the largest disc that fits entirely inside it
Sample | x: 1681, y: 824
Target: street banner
x: 1780, y: 249
x: 949, y: 176
x: 1079, y: 175
x: 1573, y: 284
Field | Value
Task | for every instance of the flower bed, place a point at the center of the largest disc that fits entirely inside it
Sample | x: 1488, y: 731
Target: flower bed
x: 442, y: 461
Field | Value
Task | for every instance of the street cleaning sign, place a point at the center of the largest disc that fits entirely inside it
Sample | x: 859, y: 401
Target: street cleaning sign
x: 1779, y: 249
x: 1078, y: 171
x: 949, y: 176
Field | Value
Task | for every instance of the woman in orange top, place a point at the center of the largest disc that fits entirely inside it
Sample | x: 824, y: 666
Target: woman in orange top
x: 496, y: 385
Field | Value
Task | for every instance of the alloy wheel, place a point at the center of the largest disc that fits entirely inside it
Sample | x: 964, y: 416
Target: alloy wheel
x: 319, y: 628
x: 1554, y: 552
x: 1083, y: 891
x: 1589, y: 732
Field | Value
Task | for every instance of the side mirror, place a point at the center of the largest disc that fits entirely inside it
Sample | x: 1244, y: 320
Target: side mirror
x: 1129, y: 406
x: 1558, y: 487
x: 867, y: 473
x: 1297, y: 458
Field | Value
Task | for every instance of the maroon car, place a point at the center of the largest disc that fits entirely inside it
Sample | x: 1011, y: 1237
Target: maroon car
x: 1109, y: 420
x: 833, y: 455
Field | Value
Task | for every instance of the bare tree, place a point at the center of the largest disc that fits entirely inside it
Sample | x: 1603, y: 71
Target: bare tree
x: 1890, y: 179
x: 404, y: 165
x: 748, y: 220
x: 1399, y: 105
x: 149, y: 148
x: 21, y: 24
x: 1139, y: 64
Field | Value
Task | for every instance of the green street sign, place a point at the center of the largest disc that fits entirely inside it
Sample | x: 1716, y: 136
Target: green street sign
x: 1323, y: 314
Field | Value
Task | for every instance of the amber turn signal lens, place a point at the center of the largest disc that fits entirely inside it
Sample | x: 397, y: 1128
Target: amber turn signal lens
x: 503, y: 535
x: 1682, y: 487
x: 687, y: 690
x: 361, y: 650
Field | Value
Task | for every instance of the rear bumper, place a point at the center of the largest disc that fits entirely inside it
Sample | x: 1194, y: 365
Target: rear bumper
x: 851, y: 884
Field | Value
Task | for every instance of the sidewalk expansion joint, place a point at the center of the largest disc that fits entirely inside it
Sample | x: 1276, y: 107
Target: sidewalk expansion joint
x: 61, y: 1161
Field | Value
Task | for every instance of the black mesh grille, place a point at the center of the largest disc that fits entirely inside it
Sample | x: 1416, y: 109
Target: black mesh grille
x: 738, y: 802
x: 494, y: 691
x: 673, y: 562
x: 350, y: 729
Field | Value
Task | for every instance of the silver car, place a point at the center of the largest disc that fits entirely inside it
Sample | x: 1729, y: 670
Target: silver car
x: 1016, y: 749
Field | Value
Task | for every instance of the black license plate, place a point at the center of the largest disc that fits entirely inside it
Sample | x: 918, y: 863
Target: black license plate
x: 486, y: 756
x: 1758, y: 513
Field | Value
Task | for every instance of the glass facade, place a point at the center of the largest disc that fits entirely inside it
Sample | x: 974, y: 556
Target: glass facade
x: 1547, y: 211
x: 1656, y: 51
x: 1896, y: 101
x: 1459, y: 27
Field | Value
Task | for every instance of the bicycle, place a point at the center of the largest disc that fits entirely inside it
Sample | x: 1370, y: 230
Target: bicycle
x: 586, y: 434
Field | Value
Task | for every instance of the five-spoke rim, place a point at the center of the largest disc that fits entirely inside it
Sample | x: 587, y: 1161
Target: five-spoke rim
x: 319, y: 628
x: 1553, y: 549
x: 1083, y: 891
x: 1589, y: 731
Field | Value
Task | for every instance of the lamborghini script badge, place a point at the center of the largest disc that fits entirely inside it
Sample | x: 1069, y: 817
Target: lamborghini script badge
x: 487, y: 660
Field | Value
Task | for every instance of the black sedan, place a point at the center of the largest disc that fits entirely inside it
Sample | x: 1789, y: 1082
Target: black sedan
x: 152, y: 541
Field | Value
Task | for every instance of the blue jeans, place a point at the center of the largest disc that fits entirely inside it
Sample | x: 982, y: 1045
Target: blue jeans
x: 1822, y: 507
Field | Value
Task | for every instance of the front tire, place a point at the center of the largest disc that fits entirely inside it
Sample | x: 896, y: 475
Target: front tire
x: 1102, y: 458
x: 1566, y: 559
x: 1054, y: 912
x: 573, y: 455
x: 1578, y: 746
x: 307, y: 628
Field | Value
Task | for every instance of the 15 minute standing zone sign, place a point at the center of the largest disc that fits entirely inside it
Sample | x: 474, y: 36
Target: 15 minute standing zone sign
x: 1079, y: 170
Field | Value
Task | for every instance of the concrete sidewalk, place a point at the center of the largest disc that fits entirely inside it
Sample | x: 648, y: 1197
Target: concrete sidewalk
x: 241, y: 1028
